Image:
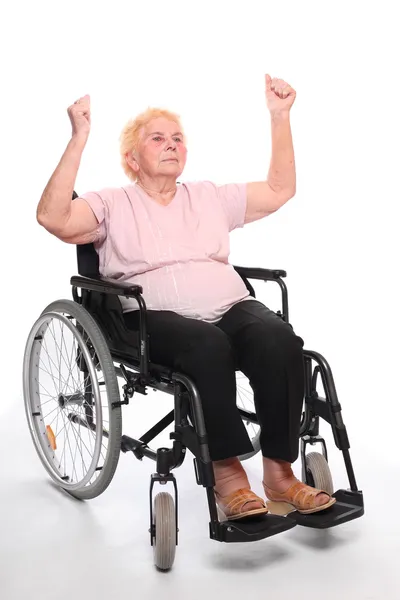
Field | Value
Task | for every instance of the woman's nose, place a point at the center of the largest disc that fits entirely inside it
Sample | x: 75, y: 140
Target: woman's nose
x: 171, y: 144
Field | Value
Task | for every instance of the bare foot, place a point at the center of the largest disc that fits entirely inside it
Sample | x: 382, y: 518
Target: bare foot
x: 278, y: 476
x: 229, y: 477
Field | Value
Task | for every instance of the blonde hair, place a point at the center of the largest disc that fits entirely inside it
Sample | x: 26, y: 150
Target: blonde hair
x: 130, y: 135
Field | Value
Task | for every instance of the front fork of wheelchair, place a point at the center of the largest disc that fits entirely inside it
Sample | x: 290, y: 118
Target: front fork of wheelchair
x: 204, y: 476
x: 327, y: 408
x: 193, y: 437
x: 185, y: 436
x: 163, y: 476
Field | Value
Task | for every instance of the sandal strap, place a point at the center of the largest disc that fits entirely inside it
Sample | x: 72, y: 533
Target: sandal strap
x: 304, y: 495
x: 299, y: 494
x: 235, y: 502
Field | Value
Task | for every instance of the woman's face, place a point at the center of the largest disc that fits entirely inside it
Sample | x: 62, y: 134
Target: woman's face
x: 161, y: 150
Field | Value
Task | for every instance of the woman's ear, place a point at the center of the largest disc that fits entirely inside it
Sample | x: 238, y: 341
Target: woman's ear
x: 131, y: 161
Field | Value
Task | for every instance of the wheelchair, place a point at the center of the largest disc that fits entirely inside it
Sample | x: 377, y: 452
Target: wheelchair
x: 77, y: 354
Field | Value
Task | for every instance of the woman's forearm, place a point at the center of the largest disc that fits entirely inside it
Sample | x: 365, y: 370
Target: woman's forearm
x: 282, y: 169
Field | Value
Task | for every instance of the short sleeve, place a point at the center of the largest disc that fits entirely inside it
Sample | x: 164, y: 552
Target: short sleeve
x: 98, y: 205
x: 233, y: 198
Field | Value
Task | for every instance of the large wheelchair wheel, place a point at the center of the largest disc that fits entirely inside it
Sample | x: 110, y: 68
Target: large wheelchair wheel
x: 71, y: 399
x: 245, y: 400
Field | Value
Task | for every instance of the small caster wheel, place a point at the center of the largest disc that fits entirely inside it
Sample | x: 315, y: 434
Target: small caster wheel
x: 318, y: 474
x: 165, y: 530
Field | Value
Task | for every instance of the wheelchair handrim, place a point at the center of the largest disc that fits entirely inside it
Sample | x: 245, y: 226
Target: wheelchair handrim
x: 41, y: 442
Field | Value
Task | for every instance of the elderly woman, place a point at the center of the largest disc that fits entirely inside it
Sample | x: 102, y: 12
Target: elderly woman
x: 173, y: 240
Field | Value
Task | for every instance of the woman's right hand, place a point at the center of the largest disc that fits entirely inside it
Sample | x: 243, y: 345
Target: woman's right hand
x: 79, y: 114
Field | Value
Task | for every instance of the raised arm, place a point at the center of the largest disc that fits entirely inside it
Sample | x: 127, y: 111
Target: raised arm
x: 266, y: 197
x: 73, y: 222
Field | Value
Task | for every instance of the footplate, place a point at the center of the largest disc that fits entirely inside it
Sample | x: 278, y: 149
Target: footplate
x: 348, y: 506
x: 250, y: 529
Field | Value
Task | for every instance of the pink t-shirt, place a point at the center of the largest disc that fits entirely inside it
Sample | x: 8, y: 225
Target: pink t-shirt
x: 177, y: 253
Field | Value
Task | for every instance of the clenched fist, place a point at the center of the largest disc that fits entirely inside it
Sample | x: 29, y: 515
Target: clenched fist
x: 79, y: 114
x: 279, y: 94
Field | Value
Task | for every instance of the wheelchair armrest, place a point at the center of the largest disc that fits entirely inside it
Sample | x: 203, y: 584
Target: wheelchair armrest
x: 118, y: 288
x: 109, y: 286
x: 263, y: 274
x: 266, y: 275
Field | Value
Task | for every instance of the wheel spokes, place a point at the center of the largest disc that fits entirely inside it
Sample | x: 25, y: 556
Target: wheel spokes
x: 70, y: 445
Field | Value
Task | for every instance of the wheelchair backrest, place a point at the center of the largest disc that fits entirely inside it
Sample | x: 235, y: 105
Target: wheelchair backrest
x: 87, y: 257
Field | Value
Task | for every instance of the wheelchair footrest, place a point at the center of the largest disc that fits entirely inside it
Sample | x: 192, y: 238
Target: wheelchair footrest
x: 348, y: 506
x: 251, y: 529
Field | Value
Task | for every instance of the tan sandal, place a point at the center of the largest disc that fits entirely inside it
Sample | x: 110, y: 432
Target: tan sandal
x: 232, y: 505
x: 299, y: 496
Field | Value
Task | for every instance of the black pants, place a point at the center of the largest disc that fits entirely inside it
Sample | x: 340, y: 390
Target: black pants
x: 254, y: 339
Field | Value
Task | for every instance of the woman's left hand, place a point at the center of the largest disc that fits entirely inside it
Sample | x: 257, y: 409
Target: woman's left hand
x: 279, y: 94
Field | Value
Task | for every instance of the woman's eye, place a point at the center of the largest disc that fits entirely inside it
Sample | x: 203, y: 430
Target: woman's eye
x: 158, y: 138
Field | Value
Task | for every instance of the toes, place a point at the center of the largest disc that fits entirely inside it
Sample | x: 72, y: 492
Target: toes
x: 252, y: 506
x: 322, y: 499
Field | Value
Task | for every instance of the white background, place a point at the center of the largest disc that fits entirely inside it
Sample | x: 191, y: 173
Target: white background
x: 337, y: 239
